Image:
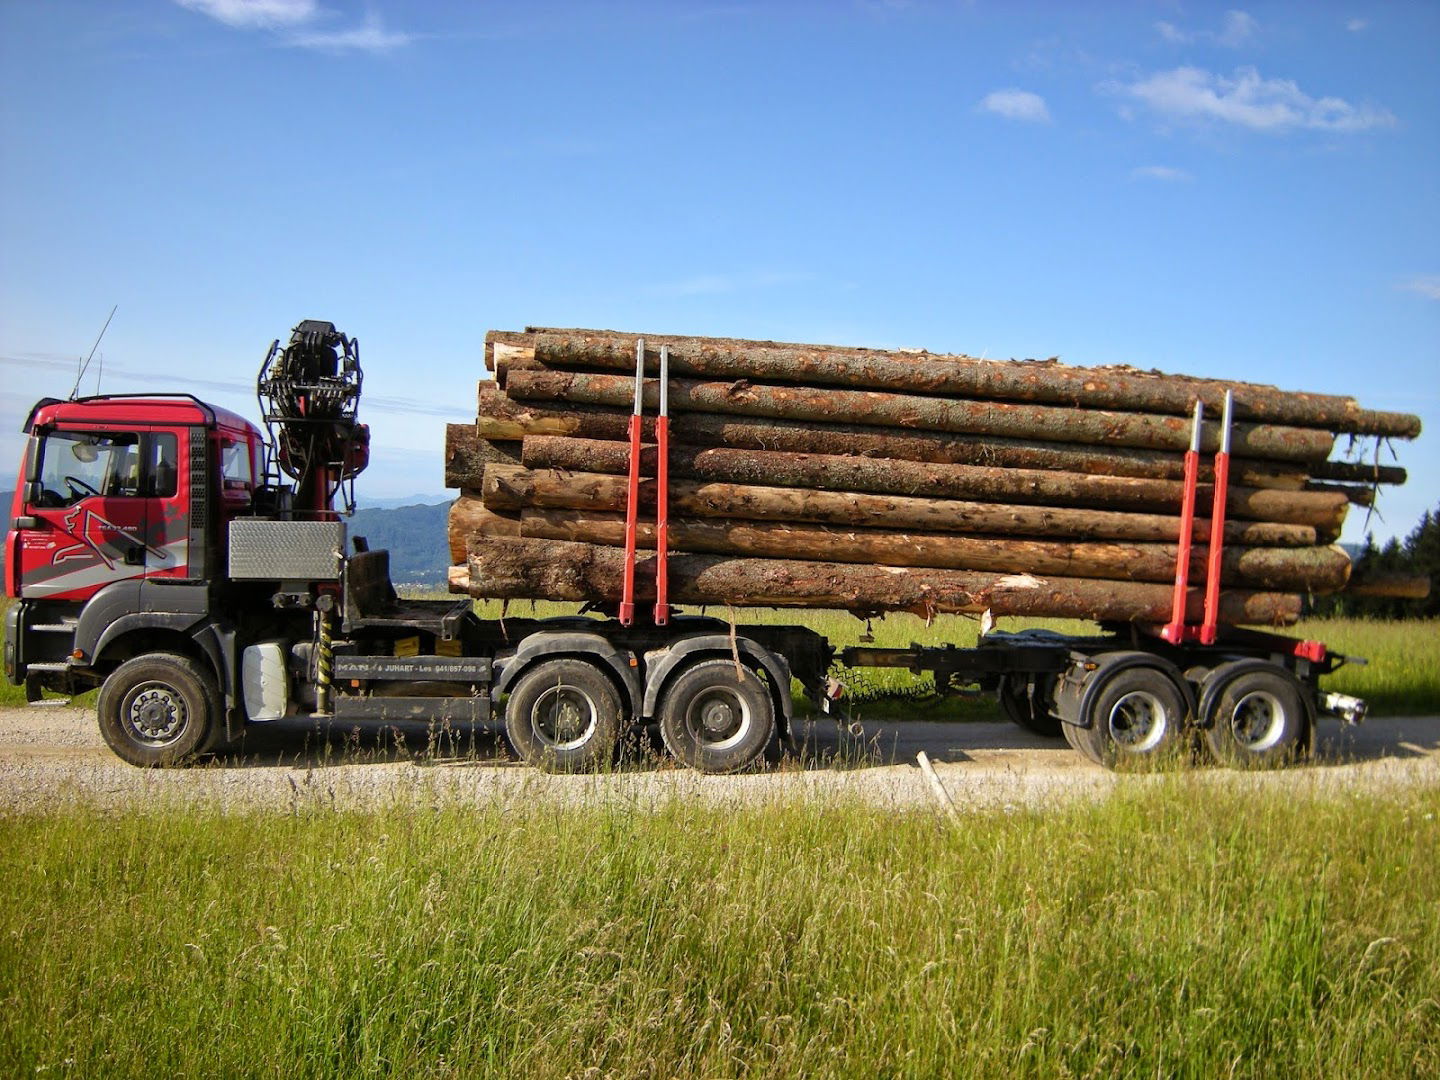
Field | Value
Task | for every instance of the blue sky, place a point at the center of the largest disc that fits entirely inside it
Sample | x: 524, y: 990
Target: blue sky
x: 1245, y: 193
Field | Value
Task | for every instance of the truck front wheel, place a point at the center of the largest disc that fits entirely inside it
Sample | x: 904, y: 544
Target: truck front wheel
x: 564, y: 716
x: 159, y: 709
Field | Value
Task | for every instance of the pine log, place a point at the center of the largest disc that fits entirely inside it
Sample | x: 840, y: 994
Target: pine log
x: 468, y: 516
x: 467, y: 454
x: 1315, y: 570
x: 523, y: 568
x: 1357, y: 472
x: 1392, y: 584
x: 831, y: 472
x: 508, y: 488
x: 1122, y: 388
x: 1046, y: 423
x: 504, y: 418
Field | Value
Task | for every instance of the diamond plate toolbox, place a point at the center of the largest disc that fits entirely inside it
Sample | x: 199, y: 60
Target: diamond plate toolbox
x: 286, y: 550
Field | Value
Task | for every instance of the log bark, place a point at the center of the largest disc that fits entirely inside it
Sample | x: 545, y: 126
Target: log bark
x: 469, y: 517
x: 523, y: 568
x: 504, y: 418
x: 1315, y: 570
x: 1358, y: 472
x: 509, y: 488
x: 1324, y: 510
x: 467, y: 453
x: 1046, y: 423
x: 1397, y: 586
x: 1050, y: 382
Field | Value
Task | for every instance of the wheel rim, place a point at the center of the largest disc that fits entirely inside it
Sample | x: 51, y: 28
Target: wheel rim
x: 1258, y: 720
x: 155, y: 714
x: 565, y: 717
x: 718, y: 718
x: 1138, y: 722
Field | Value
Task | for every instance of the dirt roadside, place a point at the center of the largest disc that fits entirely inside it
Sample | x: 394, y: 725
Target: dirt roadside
x: 52, y: 756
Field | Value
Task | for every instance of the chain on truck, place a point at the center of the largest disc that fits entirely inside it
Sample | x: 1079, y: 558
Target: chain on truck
x: 195, y: 568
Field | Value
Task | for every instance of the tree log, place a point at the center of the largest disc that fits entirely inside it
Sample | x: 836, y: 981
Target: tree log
x: 469, y: 517
x: 504, y: 418
x: 523, y: 568
x: 1314, y: 570
x: 1325, y: 510
x: 467, y: 454
x: 1357, y: 472
x: 508, y: 488
x: 1051, y: 382
x: 1046, y: 423
x: 1398, y: 586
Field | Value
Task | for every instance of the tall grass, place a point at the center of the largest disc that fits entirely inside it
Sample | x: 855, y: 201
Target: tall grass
x: 1175, y: 929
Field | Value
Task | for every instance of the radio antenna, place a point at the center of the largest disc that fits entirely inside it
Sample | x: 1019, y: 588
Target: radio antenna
x: 85, y: 366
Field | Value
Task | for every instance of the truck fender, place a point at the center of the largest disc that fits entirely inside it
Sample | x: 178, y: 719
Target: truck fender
x: 661, y: 663
x: 541, y: 645
x: 1073, y: 703
x: 1217, y: 680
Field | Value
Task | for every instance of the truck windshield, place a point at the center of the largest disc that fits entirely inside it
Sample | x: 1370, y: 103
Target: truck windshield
x: 79, y: 464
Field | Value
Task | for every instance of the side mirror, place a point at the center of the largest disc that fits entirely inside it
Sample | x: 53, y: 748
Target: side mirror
x: 33, y: 490
x: 25, y: 522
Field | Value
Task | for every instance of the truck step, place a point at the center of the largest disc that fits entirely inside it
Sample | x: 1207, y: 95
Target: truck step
x: 48, y: 665
x: 64, y: 626
x: 50, y: 703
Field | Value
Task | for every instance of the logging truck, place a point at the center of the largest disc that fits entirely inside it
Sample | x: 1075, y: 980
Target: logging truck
x: 196, y: 568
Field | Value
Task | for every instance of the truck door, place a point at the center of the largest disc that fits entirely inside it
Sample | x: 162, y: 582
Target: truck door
x: 96, y: 503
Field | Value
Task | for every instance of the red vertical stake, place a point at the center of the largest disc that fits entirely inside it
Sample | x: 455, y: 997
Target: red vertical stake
x: 632, y: 494
x: 1209, y: 628
x: 1174, y: 630
x: 662, y: 494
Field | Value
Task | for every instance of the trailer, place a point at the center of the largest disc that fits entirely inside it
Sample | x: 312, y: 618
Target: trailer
x: 197, y: 569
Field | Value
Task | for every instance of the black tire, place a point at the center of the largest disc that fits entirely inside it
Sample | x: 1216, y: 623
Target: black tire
x: 1137, y: 717
x: 159, y: 709
x: 1257, y: 719
x: 564, y: 716
x: 717, y: 717
x: 1029, y: 710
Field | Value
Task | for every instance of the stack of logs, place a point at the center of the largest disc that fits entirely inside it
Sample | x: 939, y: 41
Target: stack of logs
x: 874, y: 481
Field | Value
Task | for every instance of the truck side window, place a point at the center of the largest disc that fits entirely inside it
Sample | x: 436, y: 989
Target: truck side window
x: 77, y: 465
x: 235, y: 464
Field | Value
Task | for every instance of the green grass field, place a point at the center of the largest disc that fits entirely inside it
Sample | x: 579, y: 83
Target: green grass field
x: 1402, y: 676
x: 1174, y: 929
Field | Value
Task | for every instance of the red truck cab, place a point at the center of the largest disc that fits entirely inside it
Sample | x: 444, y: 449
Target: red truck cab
x: 118, y: 488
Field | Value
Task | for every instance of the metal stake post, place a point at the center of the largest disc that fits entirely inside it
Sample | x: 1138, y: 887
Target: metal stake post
x: 662, y: 494
x: 1174, y: 630
x: 632, y: 497
x: 1209, y: 628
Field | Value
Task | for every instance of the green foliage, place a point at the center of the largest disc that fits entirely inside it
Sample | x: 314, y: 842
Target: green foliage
x: 1173, y: 929
x: 1418, y: 553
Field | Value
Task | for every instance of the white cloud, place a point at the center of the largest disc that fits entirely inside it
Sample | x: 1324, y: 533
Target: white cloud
x: 1016, y: 105
x: 1237, y: 29
x: 256, y: 13
x: 1159, y: 172
x: 369, y: 36
x: 1427, y: 285
x: 1248, y: 100
x: 1356, y: 25
x: 294, y: 23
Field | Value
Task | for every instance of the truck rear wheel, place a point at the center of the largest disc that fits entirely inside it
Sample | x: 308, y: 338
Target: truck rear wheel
x: 159, y: 709
x: 717, y: 717
x: 564, y: 716
x: 1136, y: 715
x: 1029, y: 709
x: 1257, y: 719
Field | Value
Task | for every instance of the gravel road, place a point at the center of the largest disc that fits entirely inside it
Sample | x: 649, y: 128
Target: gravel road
x: 52, y: 756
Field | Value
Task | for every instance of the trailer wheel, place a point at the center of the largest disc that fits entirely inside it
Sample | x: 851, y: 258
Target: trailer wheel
x: 717, y: 717
x: 1136, y: 715
x: 1257, y: 719
x: 159, y: 709
x: 564, y: 716
x: 1028, y: 709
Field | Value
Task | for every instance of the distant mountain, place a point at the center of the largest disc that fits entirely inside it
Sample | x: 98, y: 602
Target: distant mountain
x: 428, y: 499
x: 415, y: 536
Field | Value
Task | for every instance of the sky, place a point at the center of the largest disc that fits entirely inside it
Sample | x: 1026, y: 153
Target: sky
x: 1240, y: 193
